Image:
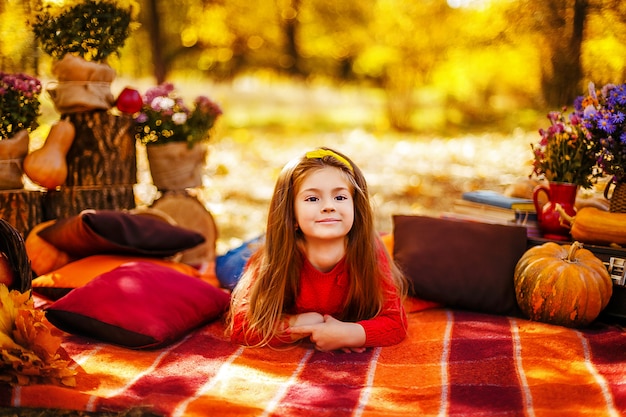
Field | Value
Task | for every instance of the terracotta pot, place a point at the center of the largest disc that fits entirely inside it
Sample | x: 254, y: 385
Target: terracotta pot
x: 12, y: 153
x: 549, y: 219
x: 175, y: 166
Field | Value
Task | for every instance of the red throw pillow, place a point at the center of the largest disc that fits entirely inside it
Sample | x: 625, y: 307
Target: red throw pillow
x: 138, y: 305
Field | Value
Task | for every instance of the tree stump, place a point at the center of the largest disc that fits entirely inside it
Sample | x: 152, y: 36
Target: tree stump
x: 21, y: 208
x: 101, y: 165
x: 103, y: 151
x: 69, y: 201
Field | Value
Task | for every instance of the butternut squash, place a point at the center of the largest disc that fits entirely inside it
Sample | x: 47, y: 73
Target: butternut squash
x: 47, y: 166
x: 592, y: 225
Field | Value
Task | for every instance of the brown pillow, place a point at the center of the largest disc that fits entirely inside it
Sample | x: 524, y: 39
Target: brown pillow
x: 94, y: 232
x: 468, y: 265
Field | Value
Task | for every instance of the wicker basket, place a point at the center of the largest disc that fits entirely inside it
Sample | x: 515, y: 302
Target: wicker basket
x: 617, y: 199
x: 12, y: 245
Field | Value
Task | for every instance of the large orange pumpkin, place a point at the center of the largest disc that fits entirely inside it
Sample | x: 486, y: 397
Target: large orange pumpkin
x: 562, y: 284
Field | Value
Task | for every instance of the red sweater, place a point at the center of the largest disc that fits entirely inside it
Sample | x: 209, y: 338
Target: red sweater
x: 325, y: 293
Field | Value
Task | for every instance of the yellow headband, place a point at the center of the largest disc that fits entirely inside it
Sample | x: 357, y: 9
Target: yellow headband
x: 320, y: 153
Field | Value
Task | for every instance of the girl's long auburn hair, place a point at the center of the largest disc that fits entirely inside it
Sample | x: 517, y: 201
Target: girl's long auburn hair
x: 269, y: 286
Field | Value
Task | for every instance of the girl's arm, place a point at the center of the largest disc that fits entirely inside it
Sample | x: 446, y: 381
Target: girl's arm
x: 388, y: 328
x: 333, y: 334
x: 281, y: 337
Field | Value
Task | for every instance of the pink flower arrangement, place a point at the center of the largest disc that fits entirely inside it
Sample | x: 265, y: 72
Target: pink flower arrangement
x: 164, y: 117
x: 565, y: 153
x: 19, y: 103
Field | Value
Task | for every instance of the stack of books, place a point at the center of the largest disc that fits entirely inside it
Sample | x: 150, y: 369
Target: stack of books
x: 492, y: 207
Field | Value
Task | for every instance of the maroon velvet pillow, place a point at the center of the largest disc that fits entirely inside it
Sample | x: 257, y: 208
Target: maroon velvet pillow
x: 468, y: 265
x: 94, y: 232
x: 138, y: 305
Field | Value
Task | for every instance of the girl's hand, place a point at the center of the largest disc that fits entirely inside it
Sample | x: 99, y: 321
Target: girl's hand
x: 301, y: 320
x: 333, y: 334
x: 305, y: 319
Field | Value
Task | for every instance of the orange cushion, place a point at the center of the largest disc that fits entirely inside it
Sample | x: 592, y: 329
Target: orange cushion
x: 59, y: 282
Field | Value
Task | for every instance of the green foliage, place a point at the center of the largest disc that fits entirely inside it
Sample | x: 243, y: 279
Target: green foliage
x: 93, y: 29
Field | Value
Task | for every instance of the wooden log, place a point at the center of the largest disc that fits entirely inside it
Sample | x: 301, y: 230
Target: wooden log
x: 22, y: 209
x: 103, y: 151
x: 69, y: 201
x: 189, y: 212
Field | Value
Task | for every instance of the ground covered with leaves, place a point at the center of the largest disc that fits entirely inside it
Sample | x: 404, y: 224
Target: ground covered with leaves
x: 407, y: 174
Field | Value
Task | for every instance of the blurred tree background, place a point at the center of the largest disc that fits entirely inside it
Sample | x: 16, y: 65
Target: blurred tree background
x: 436, y: 64
x: 432, y: 97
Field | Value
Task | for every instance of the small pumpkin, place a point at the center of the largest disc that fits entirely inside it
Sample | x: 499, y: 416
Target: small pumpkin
x: 47, y: 166
x: 44, y: 257
x: 562, y: 284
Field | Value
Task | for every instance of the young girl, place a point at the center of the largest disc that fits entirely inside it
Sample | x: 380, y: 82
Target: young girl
x: 323, y: 272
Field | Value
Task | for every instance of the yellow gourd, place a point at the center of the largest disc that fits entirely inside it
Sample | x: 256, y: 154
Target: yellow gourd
x: 47, y: 166
x: 592, y: 225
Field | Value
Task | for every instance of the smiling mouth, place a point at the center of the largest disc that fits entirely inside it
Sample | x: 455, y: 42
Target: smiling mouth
x: 328, y: 221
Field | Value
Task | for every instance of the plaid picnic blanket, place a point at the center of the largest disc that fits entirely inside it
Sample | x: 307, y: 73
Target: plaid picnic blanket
x: 454, y: 363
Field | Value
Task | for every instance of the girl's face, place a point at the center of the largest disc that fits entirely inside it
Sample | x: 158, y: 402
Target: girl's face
x: 324, y: 206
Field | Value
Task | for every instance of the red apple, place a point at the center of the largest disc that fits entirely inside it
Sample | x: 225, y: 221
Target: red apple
x: 6, y: 272
x: 129, y: 101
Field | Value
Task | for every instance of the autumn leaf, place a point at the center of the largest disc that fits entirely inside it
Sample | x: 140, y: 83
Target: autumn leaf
x: 29, y: 352
x: 31, y: 331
